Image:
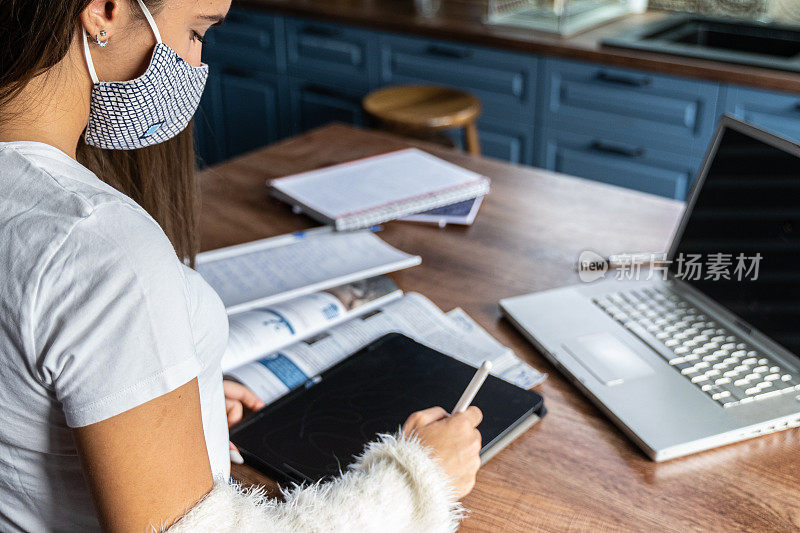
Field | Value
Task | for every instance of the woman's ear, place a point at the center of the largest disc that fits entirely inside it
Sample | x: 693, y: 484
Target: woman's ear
x: 102, y: 16
x: 120, y: 49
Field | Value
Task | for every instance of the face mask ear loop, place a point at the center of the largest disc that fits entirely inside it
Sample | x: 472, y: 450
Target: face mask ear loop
x: 88, y: 57
x: 150, y: 21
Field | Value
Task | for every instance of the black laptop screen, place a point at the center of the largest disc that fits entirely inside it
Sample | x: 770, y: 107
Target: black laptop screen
x: 741, y: 245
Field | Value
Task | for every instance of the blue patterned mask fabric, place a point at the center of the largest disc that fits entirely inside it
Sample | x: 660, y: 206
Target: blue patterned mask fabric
x: 153, y: 108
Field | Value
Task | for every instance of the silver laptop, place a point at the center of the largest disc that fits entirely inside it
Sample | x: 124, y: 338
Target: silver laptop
x: 701, y: 349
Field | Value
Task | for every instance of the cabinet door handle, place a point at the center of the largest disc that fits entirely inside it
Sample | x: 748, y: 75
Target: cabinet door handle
x: 321, y: 32
x: 240, y: 73
x: 447, y: 52
x: 619, y: 79
x: 617, y: 149
x: 325, y: 91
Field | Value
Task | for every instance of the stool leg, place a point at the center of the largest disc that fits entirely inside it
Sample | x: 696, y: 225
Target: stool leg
x: 473, y: 145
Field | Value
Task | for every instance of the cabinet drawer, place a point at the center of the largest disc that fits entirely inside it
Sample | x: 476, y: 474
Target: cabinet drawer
x: 326, y: 51
x: 247, y: 39
x: 619, y: 163
x: 633, y: 104
x: 505, y: 82
x: 502, y: 140
x: 314, y: 104
x: 776, y: 112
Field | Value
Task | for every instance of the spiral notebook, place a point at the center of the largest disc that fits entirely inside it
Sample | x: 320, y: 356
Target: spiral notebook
x: 370, y: 191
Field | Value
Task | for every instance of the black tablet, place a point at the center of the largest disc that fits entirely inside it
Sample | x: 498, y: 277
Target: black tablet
x: 315, y: 431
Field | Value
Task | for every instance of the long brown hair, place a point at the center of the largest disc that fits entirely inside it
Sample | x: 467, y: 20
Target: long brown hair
x: 34, y: 37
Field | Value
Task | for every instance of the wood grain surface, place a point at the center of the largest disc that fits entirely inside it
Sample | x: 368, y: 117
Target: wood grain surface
x: 462, y: 20
x: 574, y: 471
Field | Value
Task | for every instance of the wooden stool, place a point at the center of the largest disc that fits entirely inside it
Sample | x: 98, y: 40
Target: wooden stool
x: 426, y: 110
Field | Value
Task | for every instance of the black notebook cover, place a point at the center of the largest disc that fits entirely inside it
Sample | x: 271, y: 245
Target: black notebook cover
x: 315, y: 431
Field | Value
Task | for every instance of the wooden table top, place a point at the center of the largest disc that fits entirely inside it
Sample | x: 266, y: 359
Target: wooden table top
x: 574, y: 470
x: 462, y: 20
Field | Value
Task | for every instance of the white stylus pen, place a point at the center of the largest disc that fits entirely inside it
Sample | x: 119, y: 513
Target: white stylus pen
x: 473, y: 387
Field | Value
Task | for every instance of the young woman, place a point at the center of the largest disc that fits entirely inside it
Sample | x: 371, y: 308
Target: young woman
x: 113, y: 410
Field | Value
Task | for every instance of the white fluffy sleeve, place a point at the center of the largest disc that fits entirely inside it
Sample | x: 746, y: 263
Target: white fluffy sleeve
x: 395, y: 486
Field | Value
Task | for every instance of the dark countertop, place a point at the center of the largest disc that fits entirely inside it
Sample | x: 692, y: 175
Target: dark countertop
x: 460, y: 20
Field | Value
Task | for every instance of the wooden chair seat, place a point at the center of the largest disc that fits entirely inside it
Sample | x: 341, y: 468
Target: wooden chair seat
x: 425, y: 110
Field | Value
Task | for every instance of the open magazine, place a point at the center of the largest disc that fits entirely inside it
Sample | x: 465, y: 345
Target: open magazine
x: 263, y: 272
x: 265, y: 330
x: 270, y: 373
x: 300, y: 303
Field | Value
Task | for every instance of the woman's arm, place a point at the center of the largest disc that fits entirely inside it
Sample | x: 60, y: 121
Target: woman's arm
x: 409, y: 482
x: 149, y: 465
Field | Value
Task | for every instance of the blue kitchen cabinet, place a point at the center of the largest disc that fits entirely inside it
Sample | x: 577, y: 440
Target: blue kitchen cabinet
x: 500, y: 139
x: 273, y: 76
x: 252, y: 110
x: 505, y: 82
x: 247, y: 39
x: 776, y: 112
x: 314, y: 104
x: 601, y: 156
x: 242, y: 109
x: 626, y: 127
x: 330, y: 53
x: 243, y: 106
x: 208, y: 141
x: 331, y: 68
x: 503, y: 140
x: 639, y: 107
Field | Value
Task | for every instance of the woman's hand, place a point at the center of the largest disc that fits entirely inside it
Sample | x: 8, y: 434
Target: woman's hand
x: 237, y: 397
x: 455, y: 441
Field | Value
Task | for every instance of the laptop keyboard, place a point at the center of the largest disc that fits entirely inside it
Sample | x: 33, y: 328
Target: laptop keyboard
x: 720, y: 364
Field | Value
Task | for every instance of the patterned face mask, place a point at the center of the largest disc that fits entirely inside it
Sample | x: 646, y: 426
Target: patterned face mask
x: 155, y: 107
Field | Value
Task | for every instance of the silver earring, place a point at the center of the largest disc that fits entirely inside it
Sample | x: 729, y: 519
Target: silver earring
x: 100, y: 43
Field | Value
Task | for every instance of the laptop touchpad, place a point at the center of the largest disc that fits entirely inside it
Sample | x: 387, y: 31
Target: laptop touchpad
x: 608, y: 358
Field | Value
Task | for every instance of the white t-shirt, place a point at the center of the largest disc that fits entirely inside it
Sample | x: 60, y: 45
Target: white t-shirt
x: 97, y: 316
